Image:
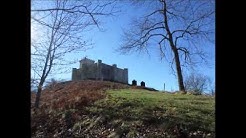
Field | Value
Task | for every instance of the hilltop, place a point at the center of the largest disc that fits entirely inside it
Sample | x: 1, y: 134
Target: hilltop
x: 107, y: 109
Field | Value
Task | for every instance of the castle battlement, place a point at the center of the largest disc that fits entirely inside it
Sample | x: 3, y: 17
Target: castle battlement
x: 89, y: 69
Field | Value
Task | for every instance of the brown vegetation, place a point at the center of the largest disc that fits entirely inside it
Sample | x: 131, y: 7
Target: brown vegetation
x: 74, y: 93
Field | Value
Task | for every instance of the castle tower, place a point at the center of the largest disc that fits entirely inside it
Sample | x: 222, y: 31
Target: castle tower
x: 126, y: 75
x: 86, y: 61
x: 99, y: 70
x: 74, y: 74
x: 114, y: 71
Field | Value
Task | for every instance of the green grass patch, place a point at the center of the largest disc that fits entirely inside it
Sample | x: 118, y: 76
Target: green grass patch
x: 135, y: 112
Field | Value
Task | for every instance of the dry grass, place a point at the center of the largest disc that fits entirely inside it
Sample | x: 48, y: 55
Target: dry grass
x: 74, y: 94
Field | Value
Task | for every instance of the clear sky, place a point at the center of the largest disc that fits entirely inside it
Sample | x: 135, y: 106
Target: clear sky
x: 141, y: 67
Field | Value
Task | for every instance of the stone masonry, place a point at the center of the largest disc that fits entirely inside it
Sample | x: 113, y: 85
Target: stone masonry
x: 89, y: 70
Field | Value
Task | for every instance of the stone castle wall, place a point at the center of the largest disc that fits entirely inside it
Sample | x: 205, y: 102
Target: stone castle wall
x: 99, y: 71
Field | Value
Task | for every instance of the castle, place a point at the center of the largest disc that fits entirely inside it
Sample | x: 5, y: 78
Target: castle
x: 99, y: 71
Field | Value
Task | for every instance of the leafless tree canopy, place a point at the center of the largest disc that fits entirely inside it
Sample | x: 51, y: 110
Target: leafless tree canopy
x: 197, y: 83
x: 60, y: 25
x: 176, y: 27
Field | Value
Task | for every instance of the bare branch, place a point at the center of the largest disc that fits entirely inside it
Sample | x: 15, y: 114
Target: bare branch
x: 173, y: 70
x: 160, y: 47
x: 185, y: 51
x: 156, y: 11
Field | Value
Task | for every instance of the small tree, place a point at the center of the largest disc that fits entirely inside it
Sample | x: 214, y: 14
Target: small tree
x: 196, y: 83
x: 212, y: 88
x: 52, y: 83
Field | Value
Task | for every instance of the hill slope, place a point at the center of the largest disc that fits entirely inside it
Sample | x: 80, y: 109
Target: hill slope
x: 105, y: 109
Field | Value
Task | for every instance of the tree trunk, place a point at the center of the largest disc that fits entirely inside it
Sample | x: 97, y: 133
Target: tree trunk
x: 174, y: 49
x: 179, y: 71
x: 38, y: 96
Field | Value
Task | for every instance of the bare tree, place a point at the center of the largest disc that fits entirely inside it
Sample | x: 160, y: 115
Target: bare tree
x: 62, y: 23
x: 197, y: 83
x: 52, y: 83
x: 175, y: 27
x: 211, y: 88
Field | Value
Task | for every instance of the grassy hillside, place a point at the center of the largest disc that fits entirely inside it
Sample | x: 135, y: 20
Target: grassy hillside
x: 120, y: 111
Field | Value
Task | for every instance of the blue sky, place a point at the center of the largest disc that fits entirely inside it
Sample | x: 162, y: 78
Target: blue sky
x: 141, y: 67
